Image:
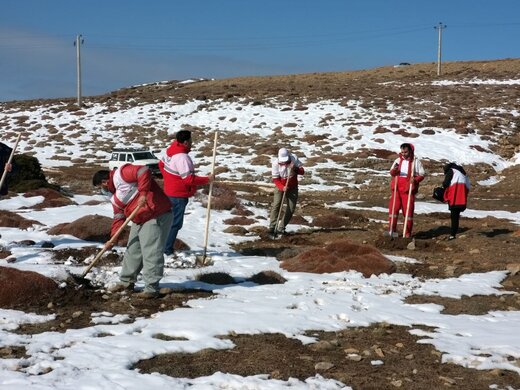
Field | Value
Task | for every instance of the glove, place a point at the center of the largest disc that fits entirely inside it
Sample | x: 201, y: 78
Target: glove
x: 395, y: 170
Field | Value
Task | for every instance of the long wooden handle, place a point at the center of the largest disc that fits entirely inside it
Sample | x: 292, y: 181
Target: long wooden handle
x: 112, y: 240
x: 208, y: 211
x: 4, y: 175
x: 409, y: 197
x: 392, y: 216
x: 282, y: 202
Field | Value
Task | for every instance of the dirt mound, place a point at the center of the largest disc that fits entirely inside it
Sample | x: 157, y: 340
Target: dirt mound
x: 9, y: 219
x: 337, y: 219
x: 90, y: 228
x: 400, y: 243
x: 237, y: 230
x: 330, y: 221
x: 52, y: 198
x: 77, y: 256
x: 343, y: 255
x: 24, y: 286
x: 239, y: 221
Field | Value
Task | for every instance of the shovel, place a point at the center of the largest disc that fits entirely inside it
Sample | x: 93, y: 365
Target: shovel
x: 4, y: 175
x: 280, y: 210
x: 391, y: 233
x: 283, y: 201
x: 409, y: 198
x: 111, y: 241
x: 201, y: 260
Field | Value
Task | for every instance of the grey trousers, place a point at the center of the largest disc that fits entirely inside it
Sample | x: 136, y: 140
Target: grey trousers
x: 145, y: 252
x: 291, y: 197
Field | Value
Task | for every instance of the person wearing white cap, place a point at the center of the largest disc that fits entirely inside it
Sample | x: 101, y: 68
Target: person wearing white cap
x: 285, y: 171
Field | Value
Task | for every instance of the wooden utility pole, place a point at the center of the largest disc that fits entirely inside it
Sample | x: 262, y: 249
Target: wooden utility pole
x: 440, y: 27
x: 78, y: 43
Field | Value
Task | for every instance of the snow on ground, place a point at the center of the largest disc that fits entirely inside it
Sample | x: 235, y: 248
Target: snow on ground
x: 244, y: 119
x: 430, y: 207
x: 477, y: 81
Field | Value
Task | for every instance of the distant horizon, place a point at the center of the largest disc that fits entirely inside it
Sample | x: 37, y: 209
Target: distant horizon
x: 252, y: 76
x: 126, y: 43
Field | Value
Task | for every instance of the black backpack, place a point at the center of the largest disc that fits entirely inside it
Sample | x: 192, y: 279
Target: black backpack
x: 438, y: 194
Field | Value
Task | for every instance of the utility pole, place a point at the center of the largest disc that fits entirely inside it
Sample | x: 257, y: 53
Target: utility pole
x: 78, y: 43
x: 439, y: 27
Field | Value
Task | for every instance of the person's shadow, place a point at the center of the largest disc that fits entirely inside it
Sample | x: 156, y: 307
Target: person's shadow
x: 437, y: 232
x: 496, y: 232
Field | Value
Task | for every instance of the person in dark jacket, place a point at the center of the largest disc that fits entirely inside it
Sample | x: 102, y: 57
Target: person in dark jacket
x: 456, y: 188
x: 5, y: 153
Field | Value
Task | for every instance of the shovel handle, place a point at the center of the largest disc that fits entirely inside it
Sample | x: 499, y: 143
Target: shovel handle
x: 282, y: 202
x: 393, y: 206
x: 208, y: 210
x: 409, y: 198
x: 111, y: 241
x: 4, y: 175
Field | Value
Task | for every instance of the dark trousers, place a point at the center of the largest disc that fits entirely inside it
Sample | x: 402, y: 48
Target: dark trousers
x: 178, y: 208
x: 455, y: 217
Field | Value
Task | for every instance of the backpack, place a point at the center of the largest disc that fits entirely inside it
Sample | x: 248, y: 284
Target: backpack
x: 438, y: 194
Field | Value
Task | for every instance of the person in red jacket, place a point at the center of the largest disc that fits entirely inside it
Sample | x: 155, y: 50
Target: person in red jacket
x: 456, y: 188
x: 180, y: 182
x: 407, y: 172
x: 285, y: 171
x: 132, y: 186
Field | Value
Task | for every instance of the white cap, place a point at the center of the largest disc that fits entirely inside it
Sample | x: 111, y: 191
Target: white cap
x: 283, y: 155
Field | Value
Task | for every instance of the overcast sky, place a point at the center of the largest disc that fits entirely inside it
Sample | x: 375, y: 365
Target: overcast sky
x: 132, y: 42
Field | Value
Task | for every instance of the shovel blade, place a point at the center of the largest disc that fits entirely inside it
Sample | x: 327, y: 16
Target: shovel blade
x: 203, y: 261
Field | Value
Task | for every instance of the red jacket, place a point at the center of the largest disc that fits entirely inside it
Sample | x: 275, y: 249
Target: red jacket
x: 281, y: 174
x: 402, y: 172
x: 178, y: 173
x: 127, y: 184
x: 456, y: 187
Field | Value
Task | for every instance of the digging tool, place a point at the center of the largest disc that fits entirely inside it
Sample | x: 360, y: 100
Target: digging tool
x: 409, y: 197
x: 4, y: 175
x: 282, y: 202
x: 202, y: 259
x: 391, y: 233
x: 111, y: 241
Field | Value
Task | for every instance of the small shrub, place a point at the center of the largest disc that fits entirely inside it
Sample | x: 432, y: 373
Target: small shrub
x: 27, y: 174
x: 218, y: 278
x: 267, y: 277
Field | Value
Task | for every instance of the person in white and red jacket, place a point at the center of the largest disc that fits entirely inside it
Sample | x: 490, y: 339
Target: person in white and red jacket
x: 131, y: 186
x: 456, y: 188
x: 408, y: 171
x: 180, y: 182
x: 285, y: 171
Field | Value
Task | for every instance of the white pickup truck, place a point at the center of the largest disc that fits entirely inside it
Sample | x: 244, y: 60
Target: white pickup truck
x: 135, y: 157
